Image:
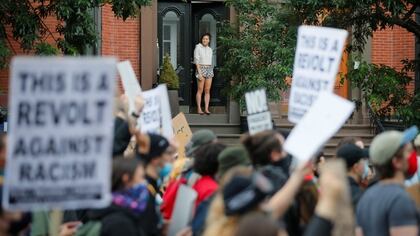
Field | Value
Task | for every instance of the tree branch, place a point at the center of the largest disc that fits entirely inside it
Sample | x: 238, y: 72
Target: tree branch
x: 410, y: 12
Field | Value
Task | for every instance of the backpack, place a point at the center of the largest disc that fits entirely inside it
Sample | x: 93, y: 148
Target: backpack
x: 91, y: 228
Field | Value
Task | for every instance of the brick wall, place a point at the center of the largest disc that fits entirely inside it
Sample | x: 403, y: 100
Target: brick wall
x: 390, y: 46
x: 15, y: 49
x: 121, y: 38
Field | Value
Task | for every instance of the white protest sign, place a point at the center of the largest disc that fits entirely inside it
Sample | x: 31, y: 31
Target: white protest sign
x: 156, y: 115
x: 318, y: 55
x: 259, y: 117
x: 321, y: 122
x: 129, y: 81
x: 61, y: 122
x: 183, y: 209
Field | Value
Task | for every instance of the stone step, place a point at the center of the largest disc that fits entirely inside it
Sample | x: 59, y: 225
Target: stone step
x: 217, y: 128
x: 206, y: 119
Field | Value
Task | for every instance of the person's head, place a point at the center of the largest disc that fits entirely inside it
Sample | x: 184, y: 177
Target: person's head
x: 205, y: 39
x: 391, y: 153
x: 231, y: 157
x: 359, y: 142
x: 356, y: 162
x: 243, y: 194
x: 126, y: 173
x: 264, y: 147
x: 205, y: 160
x: 217, y: 222
x: 258, y: 224
x: 158, y: 154
x: 199, y: 138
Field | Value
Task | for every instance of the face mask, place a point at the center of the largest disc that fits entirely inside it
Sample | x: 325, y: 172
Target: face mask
x: 365, y: 170
x: 412, y: 164
x: 165, y: 170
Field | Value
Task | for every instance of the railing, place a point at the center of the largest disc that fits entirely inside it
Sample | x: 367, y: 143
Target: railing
x: 375, y: 121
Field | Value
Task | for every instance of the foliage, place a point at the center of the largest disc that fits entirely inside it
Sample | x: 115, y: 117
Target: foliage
x: 385, y: 90
x: 169, y: 76
x: 383, y: 86
x: 258, y: 51
x: 363, y: 17
x: 75, y: 24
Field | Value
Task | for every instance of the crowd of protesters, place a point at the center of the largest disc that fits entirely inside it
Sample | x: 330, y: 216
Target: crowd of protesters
x: 254, y: 188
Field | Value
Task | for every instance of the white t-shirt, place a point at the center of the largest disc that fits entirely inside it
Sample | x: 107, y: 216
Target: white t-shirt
x: 203, y: 55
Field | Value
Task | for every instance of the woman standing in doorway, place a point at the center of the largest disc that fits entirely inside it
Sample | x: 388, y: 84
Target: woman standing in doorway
x: 203, y: 58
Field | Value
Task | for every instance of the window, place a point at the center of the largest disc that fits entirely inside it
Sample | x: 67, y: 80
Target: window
x: 208, y: 24
x: 171, y: 37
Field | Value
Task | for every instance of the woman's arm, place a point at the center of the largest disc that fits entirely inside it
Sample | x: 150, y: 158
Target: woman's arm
x: 197, y: 61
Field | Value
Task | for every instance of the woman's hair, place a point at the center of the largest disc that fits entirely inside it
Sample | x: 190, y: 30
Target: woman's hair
x: 307, y: 199
x: 204, y: 35
x: 261, y: 145
x: 257, y: 224
x: 120, y: 167
x: 217, y: 223
x: 205, y: 158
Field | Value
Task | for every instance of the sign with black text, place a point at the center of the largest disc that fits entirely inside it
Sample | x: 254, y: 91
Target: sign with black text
x: 156, y: 115
x: 320, y: 123
x: 61, y: 122
x: 318, y: 55
x: 259, y: 117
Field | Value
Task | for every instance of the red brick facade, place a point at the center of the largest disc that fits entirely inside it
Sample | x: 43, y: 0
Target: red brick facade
x: 390, y: 46
x: 121, y: 38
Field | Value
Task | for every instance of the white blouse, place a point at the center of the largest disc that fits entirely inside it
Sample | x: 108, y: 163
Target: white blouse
x: 203, y: 55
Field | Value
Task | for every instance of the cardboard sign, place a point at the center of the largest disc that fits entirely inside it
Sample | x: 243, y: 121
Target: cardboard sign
x: 183, y: 209
x: 318, y: 55
x: 61, y: 118
x: 259, y: 116
x: 321, y: 122
x: 129, y: 81
x: 182, y: 132
x: 156, y: 115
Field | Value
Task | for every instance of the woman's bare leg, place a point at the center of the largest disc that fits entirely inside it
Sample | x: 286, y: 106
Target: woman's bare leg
x: 207, y: 87
x: 200, y: 88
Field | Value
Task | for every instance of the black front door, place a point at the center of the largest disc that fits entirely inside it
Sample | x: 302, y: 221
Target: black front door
x: 174, y: 40
x: 180, y: 25
x: 206, y: 18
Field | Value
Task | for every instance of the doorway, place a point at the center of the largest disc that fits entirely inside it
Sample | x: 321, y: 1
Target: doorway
x: 180, y: 26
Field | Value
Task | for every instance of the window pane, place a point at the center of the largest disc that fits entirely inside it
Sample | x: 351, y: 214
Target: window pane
x: 166, y: 32
x: 171, y: 37
x: 167, y: 49
x: 208, y: 24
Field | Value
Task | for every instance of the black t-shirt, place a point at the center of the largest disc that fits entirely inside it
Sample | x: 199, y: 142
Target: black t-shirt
x: 356, y: 192
x: 384, y: 206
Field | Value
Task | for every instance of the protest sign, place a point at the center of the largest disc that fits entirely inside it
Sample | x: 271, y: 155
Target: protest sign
x: 259, y: 117
x: 321, y: 122
x: 156, y: 115
x: 183, y: 209
x: 318, y: 55
x: 182, y: 132
x: 129, y: 81
x: 61, y: 118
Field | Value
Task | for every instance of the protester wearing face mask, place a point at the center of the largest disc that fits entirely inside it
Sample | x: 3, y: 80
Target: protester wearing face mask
x: 386, y: 208
x: 265, y: 150
x: 129, y: 201
x: 357, y: 169
x: 156, y: 158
